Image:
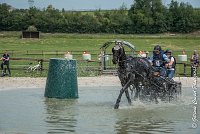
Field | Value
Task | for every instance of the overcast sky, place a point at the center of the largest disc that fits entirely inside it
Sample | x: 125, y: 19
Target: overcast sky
x: 83, y: 4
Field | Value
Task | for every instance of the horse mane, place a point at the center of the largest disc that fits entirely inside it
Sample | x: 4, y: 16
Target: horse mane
x: 122, y: 55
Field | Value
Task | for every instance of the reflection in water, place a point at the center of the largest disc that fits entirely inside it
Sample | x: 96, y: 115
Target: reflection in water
x: 155, y: 118
x: 60, y: 115
x: 127, y: 125
x: 27, y: 111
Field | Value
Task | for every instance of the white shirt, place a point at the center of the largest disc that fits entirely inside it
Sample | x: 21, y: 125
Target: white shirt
x: 170, y: 66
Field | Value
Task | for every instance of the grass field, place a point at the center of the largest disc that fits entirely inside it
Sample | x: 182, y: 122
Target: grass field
x: 55, y: 45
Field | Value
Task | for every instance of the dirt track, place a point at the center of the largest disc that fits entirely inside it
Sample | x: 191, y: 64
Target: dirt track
x: 27, y: 82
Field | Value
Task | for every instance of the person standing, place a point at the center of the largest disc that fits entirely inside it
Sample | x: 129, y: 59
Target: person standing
x: 5, y: 62
x: 171, y: 65
x: 194, y: 62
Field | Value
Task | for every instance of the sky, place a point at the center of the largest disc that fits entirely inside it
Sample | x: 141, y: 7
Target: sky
x: 83, y: 4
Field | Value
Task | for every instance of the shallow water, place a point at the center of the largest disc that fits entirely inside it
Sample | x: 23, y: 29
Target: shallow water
x: 28, y: 111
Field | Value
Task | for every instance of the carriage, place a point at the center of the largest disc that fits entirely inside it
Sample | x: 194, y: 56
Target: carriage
x: 137, y: 76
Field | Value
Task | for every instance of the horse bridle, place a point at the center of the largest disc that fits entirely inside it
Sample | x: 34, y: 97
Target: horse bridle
x: 118, y: 47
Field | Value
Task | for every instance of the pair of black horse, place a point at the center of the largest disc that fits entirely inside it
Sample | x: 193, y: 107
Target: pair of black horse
x: 138, y: 75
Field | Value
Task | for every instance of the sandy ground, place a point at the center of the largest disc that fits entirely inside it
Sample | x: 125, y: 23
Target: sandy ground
x: 27, y: 82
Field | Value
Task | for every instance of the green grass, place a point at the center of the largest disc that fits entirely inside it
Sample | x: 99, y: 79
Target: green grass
x: 80, y: 42
x: 55, y: 45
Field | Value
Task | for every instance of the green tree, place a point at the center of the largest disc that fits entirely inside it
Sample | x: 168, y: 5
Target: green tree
x: 181, y: 17
x: 144, y: 16
x: 158, y: 15
x: 147, y: 16
x: 197, y: 19
x: 4, y: 16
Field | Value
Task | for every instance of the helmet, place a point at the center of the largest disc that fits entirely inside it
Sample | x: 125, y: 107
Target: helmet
x: 168, y: 51
x: 195, y: 51
x: 157, y: 48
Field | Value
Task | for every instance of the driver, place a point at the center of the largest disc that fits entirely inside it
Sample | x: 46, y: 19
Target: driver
x: 159, y: 60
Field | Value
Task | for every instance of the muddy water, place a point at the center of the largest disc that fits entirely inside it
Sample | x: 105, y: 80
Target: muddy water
x: 27, y: 111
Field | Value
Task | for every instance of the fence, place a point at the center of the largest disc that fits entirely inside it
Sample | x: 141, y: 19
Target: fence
x: 21, y: 61
x: 39, y: 67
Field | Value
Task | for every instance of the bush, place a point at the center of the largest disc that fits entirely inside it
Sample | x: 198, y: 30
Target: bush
x: 31, y: 29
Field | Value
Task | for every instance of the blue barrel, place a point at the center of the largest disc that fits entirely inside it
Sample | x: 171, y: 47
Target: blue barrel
x: 61, y: 81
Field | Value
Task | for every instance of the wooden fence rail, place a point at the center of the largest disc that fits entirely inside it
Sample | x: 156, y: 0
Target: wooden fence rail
x: 89, y: 67
x: 98, y: 68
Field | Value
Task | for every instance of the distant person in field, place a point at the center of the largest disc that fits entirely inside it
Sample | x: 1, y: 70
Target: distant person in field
x: 170, y: 65
x: 194, y: 62
x: 5, y: 62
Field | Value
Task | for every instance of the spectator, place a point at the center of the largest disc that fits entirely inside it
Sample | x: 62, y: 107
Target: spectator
x: 194, y: 62
x: 171, y: 65
x: 5, y: 62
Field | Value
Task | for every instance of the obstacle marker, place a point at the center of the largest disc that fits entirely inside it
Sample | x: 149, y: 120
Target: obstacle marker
x: 62, y: 79
x: 86, y: 56
x: 182, y: 57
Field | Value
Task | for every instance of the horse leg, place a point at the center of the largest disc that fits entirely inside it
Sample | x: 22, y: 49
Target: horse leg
x: 156, y: 97
x: 136, y: 94
x: 128, y: 97
x: 120, y: 94
x: 138, y: 89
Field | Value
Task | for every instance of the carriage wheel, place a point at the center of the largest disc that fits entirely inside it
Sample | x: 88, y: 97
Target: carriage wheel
x: 153, y: 93
x: 144, y: 94
x: 165, y: 92
x: 178, y: 90
x: 175, y: 91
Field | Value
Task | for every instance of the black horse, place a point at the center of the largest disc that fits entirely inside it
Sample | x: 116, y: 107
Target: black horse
x: 138, y: 72
x: 131, y: 71
x: 119, y: 57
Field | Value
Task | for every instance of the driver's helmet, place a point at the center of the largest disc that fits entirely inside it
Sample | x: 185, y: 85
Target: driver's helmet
x: 157, y: 48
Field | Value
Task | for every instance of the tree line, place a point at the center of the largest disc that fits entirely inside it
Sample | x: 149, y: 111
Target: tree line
x: 144, y: 16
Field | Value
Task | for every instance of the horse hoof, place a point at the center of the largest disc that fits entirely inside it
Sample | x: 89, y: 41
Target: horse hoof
x: 116, y: 107
x: 156, y: 102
